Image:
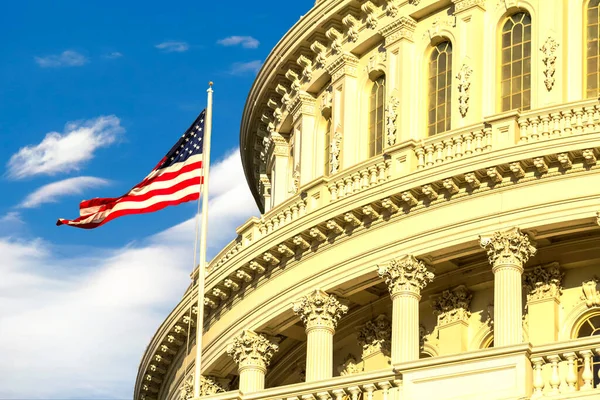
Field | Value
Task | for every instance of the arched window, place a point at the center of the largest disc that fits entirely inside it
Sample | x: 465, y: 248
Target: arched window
x: 327, y: 147
x: 376, y: 117
x: 515, y: 72
x: 440, y: 88
x: 591, y: 327
x: 592, y: 66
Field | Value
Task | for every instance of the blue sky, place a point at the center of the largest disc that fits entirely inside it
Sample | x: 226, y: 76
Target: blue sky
x: 92, y: 95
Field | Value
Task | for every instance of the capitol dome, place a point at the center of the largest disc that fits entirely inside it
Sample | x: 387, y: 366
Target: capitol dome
x: 428, y: 178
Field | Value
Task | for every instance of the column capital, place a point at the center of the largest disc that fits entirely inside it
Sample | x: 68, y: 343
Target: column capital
x: 543, y: 282
x: 510, y: 247
x: 251, y: 349
x: 319, y: 310
x: 405, y: 274
x: 402, y: 28
x: 303, y: 104
x: 463, y: 5
x: 453, y: 305
x: 375, y: 335
x: 345, y: 64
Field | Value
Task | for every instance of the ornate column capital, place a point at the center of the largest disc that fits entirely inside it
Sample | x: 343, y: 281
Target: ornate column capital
x: 402, y: 28
x: 591, y: 294
x: 251, y: 349
x: 543, y: 282
x: 303, y: 104
x: 463, y: 5
x: 375, y: 335
x: 208, y: 385
x: 405, y: 275
x: 453, y: 305
x: 319, y: 310
x: 507, y: 248
x: 345, y: 64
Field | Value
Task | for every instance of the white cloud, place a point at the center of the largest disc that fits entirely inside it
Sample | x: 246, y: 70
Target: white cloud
x: 173, y: 47
x: 67, y: 58
x: 247, y: 42
x: 113, y: 55
x: 51, y: 192
x: 64, y: 152
x: 79, y: 321
x: 243, y: 68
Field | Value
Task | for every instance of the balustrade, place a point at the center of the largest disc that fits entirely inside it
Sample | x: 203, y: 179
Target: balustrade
x: 358, y: 179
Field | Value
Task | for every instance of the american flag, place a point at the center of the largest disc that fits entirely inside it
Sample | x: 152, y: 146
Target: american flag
x: 175, y: 179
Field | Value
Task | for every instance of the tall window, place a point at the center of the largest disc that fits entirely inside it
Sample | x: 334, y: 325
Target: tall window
x: 376, y: 117
x: 591, y: 327
x: 440, y: 88
x: 515, y: 74
x: 327, y: 146
x: 592, y: 67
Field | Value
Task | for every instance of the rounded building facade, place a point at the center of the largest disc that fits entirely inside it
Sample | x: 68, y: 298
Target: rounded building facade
x: 429, y: 189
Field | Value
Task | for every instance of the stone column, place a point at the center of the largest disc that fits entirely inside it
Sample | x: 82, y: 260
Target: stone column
x: 252, y: 352
x: 320, y: 313
x: 405, y: 278
x: 508, y: 251
x: 543, y: 287
x: 303, y: 120
x: 279, y: 153
x: 452, y: 309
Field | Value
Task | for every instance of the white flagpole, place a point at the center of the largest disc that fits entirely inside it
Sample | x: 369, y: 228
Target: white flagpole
x: 203, y: 234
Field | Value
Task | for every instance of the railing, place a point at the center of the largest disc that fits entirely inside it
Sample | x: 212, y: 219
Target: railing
x: 357, y: 179
x: 282, y: 216
x: 566, y: 367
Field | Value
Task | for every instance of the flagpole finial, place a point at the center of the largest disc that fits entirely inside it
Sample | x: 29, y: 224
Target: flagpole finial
x: 210, y: 85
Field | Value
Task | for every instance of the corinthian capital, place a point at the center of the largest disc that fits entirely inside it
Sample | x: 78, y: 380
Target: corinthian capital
x: 319, y: 310
x: 252, y: 350
x: 453, y: 305
x: 375, y: 335
x: 509, y: 247
x: 543, y: 282
x: 405, y: 274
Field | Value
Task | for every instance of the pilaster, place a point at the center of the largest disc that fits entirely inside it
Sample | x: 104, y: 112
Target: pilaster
x: 303, y: 119
x: 507, y: 252
x: 374, y: 337
x: 279, y: 164
x: 252, y: 352
x: 452, y: 309
x: 543, y: 285
x: 405, y: 278
x: 320, y: 313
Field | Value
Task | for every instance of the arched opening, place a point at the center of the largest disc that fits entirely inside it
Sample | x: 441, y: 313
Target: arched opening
x: 591, y: 68
x: 376, y: 116
x: 590, y: 326
x: 439, y: 106
x: 515, y: 68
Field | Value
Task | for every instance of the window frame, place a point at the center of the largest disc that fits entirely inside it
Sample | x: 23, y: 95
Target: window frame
x: 447, y: 118
x: 373, y: 135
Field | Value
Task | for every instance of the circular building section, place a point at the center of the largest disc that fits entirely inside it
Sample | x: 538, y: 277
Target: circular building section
x: 428, y: 180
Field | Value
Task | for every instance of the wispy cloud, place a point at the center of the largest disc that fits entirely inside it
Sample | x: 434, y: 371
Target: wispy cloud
x: 67, y: 58
x: 51, y: 192
x: 242, y: 68
x: 12, y: 217
x: 173, y: 47
x: 48, y: 292
x: 247, y: 42
x: 67, y: 151
x: 113, y: 55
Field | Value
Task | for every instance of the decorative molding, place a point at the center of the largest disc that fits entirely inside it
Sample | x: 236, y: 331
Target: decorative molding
x: 320, y: 53
x: 335, y: 37
x: 439, y: 22
x: 319, y: 310
x: 405, y: 274
x: 296, y: 179
x: 509, y: 247
x: 464, y: 85
x: 306, y: 65
x: 345, y: 64
x: 377, y: 63
x: 251, y: 349
x: 549, y: 59
x: 375, y: 335
x: 293, y: 77
x: 543, y: 282
x: 326, y: 101
x: 335, y: 148
x: 401, y: 28
x: 350, y: 366
x: 462, y: 5
x: 369, y: 9
x: 452, y: 305
x: 391, y: 8
x: 209, y: 385
x: 352, y: 24
x: 391, y: 116
x: 414, y: 2
x: 591, y: 294
x: 303, y: 104
x: 285, y: 95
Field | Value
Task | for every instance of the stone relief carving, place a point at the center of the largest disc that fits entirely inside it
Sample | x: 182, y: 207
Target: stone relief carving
x: 352, y: 24
x: 336, y: 40
x: 326, y: 101
x: 319, y: 309
x: 375, y: 336
x: 320, y: 51
x: 350, y: 366
x: 543, y: 282
x: 306, y: 65
x: 461, y: 5
x: 369, y: 9
x: 402, y: 28
x: 464, y: 85
x: 591, y: 294
x: 391, y: 120
x: 549, y: 60
x: 414, y: 2
x: 252, y: 349
x: 405, y: 274
x: 293, y: 77
x: 285, y: 95
x: 296, y: 179
x: 510, y: 247
x: 453, y: 305
x: 208, y: 385
x: 391, y: 9
x: 335, y: 148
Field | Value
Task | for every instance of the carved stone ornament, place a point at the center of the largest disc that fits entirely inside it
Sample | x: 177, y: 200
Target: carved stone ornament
x: 591, y: 294
x: 464, y: 84
x: 369, y: 9
x: 350, y: 366
x: 462, y: 5
x: 335, y: 37
x: 351, y: 24
x: 543, y: 282
x: 391, y: 9
x: 375, y: 335
x: 209, y: 385
x: 251, y: 349
x: 335, y: 148
x: 549, y: 60
x: 296, y: 179
x: 509, y: 247
x: 319, y: 310
x: 453, y: 305
x: 345, y: 64
x: 320, y: 51
x: 414, y: 2
x: 401, y: 28
x: 391, y: 116
x: 405, y: 274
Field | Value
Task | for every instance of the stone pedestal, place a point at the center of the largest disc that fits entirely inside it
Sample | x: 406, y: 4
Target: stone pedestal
x: 252, y: 352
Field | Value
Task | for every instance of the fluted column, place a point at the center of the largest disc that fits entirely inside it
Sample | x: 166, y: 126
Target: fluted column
x: 508, y: 251
x: 252, y: 352
x: 405, y: 278
x: 320, y: 313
